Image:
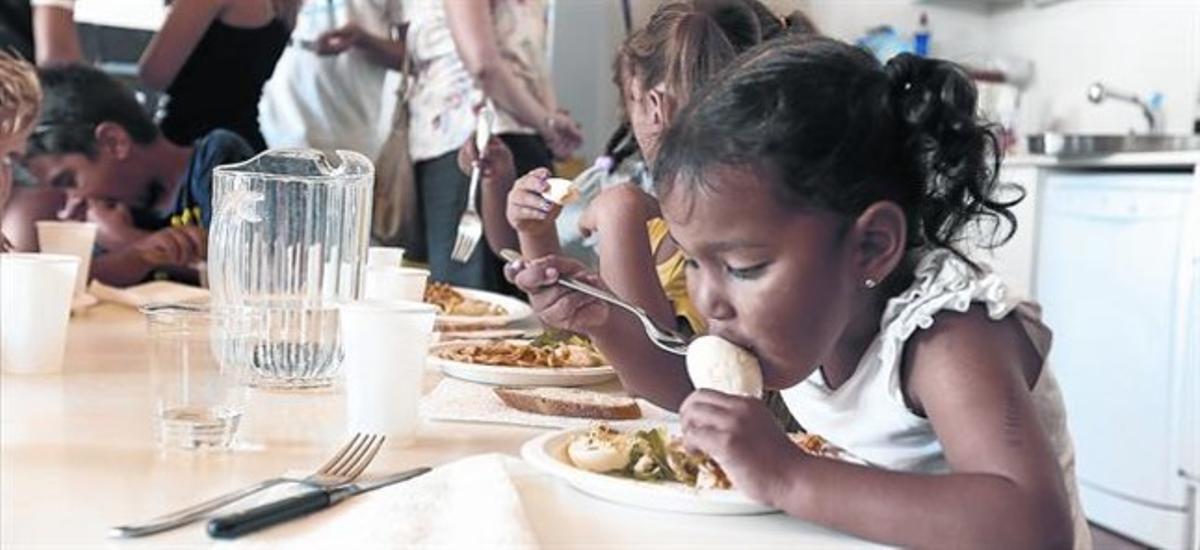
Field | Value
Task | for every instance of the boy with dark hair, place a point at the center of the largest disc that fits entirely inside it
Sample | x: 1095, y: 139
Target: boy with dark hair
x: 151, y: 198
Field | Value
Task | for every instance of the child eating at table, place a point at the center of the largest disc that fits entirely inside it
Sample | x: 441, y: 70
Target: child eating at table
x: 818, y: 197
x: 20, y: 97
x: 657, y: 69
x: 150, y: 197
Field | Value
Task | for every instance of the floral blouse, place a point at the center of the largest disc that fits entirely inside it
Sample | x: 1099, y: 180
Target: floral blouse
x: 444, y: 96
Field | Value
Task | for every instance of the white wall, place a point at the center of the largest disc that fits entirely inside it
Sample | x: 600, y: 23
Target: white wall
x: 1141, y: 46
x: 957, y: 31
x: 1137, y: 45
x: 134, y: 14
x: 640, y: 10
x: 959, y: 34
x: 586, y: 36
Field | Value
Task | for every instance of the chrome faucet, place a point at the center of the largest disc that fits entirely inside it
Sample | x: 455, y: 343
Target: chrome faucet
x: 1098, y: 92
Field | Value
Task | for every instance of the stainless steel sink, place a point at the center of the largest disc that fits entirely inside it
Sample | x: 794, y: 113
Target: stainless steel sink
x: 1080, y: 145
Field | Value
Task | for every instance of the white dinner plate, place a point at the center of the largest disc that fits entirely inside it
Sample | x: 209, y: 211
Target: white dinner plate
x: 516, y: 311
x: 483, y: 334
x: 514, y: 375
x: 548, y: 453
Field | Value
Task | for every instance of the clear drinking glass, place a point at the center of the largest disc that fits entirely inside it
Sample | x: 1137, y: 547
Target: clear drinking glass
x: 198, y: 360
x: 288, y: 240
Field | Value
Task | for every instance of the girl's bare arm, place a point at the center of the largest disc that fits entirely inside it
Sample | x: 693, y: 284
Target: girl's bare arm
x: 1005, y: 488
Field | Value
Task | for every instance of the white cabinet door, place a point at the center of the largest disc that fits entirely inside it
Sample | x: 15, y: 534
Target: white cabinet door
x: 1189, y: 365
x: 1108, y: 261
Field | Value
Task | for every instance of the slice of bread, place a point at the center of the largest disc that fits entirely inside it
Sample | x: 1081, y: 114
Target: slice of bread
x: 572, y: 402
x: 561, y: 191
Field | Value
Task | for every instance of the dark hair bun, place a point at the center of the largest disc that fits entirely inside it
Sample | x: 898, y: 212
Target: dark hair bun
x: 953, y: 154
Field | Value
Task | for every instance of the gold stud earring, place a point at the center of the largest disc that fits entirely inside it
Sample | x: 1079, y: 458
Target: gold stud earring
x: 870, y: 283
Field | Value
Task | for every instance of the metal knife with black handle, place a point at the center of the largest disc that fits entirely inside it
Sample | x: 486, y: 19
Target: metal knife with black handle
x: 248, y: 521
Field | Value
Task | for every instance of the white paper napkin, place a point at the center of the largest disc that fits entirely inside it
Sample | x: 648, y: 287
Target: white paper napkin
x: 147, y: 293
x: 470, y: 503
x: 460, y: 401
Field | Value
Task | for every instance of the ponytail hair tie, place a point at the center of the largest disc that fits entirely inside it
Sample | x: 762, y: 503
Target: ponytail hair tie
x: 910, y: 95
x: 603, y: 163
x: 901, y: 71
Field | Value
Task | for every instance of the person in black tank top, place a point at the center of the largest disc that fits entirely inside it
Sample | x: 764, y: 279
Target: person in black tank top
x: 221, y: 81
x: 48, y: 24
x: 16, y: 27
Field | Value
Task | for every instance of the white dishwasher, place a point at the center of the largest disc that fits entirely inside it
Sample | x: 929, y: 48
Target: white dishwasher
x: 1116, y: 261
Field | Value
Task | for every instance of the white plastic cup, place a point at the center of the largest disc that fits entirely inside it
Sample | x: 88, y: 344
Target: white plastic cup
x: 385, y: 256
x: 384, y: 345
x: 73, y: 239
x: 394, y: 283
x: 35, y: 305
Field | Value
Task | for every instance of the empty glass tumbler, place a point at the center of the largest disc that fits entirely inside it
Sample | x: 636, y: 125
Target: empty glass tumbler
x: 198, y: 361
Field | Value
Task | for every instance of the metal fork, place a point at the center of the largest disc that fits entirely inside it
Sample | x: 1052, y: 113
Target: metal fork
x: 344, y: 467
x: 665, y: 339
x: 470, y: 225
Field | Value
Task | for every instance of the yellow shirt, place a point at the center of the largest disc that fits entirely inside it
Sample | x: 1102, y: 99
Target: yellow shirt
x: 673, y: 278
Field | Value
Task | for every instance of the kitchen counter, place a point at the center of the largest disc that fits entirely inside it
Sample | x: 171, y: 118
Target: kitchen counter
x: 1155, y: 159
x: 1014, y: 261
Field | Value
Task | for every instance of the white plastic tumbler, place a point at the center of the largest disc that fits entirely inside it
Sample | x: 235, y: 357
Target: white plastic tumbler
x: 385, y: 343
x: 394, y: 283
x: 35, y: 305
x: 73, y: 239
x: 385, y: 256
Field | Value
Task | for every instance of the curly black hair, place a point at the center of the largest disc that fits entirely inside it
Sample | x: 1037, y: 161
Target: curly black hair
x: 836, y: 130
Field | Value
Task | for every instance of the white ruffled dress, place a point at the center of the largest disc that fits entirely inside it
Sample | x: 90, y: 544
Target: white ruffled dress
x: 868, y: 416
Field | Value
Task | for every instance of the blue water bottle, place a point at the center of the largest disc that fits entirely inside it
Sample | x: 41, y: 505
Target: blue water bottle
x: 921, y: 37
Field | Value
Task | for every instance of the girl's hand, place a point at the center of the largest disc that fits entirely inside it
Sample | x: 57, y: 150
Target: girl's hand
x: 528, y: 211
x: 557, y: 306
x: 496, y: 167
x: 742, y: 436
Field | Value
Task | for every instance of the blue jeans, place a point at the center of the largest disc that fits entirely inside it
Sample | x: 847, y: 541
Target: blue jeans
x: 442, y: 189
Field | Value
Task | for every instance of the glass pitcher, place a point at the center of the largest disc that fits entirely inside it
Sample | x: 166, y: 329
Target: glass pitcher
x: 286, y: 245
